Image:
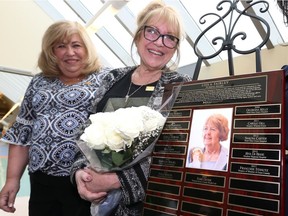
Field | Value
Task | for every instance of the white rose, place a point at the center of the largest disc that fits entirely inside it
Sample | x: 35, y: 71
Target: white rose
x: 150, y: 124
x: 114, y: 140
x: 95, y: 118
x: 129, y: 122
x: 95, y: 137
x: 95, y: 134
x: 152, y: 119
x: 118, y: 129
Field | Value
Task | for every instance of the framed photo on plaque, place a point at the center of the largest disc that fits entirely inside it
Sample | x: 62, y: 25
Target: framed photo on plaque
x: 210, y: 132
x: 222, y: 149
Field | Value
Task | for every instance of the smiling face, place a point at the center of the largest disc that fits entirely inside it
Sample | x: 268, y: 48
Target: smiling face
x: 71, y: 55
x: 211, y: 135
x: 154, y: 55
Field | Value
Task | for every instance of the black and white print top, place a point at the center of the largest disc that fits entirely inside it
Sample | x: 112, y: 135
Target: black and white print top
x: 49, y: 120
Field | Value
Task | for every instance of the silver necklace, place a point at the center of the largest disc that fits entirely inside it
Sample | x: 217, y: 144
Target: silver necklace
x: 127, y: 95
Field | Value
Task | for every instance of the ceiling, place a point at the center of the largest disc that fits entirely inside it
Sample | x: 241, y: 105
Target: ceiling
x: 112, y: 24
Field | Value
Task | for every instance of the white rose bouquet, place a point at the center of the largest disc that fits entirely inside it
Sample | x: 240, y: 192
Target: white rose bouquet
x: 117, y: 140
x: 114, y: 139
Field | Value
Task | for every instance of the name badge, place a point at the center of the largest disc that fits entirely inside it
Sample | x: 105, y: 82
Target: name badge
x: 149, y: 88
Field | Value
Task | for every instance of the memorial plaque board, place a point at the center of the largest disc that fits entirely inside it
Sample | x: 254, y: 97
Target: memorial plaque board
x: 240, y: 174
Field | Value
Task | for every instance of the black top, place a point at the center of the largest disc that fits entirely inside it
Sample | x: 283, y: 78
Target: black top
x: 121, y: 88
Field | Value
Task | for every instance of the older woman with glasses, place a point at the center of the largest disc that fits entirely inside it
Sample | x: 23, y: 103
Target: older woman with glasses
x: 157, y: 40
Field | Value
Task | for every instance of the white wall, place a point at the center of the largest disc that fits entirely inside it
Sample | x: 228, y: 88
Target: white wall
x: 22, y: 25
x: 272, y: 59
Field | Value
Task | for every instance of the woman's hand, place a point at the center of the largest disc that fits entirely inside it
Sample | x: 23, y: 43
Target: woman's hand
x: 101, y: 181
x: 17, y: 161
x: 8, y: 195
x: 82, y: 178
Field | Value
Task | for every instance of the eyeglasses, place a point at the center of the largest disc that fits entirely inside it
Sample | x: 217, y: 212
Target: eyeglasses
x: 152, y: 34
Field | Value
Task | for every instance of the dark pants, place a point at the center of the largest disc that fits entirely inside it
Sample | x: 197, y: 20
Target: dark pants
x: 55, y: 196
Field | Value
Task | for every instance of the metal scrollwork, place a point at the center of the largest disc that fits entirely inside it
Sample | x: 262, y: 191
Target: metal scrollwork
x: 227, y: 42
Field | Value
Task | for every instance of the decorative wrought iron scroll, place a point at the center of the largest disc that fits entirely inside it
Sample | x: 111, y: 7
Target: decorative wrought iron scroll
x: 230, y: 36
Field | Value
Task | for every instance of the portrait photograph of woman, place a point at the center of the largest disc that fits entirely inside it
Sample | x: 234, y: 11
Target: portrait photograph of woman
x: 209, y: 140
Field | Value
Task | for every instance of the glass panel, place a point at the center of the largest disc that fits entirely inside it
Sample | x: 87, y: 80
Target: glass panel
x: 187, y: 55
x: 120, y: 34
x: 137, y: 6
x: 278, y: 20
x: 107, y: 57
x: 65, y: 10
x: 93, y: 6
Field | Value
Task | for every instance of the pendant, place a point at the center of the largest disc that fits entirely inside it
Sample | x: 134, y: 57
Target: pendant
x: 126, y: 98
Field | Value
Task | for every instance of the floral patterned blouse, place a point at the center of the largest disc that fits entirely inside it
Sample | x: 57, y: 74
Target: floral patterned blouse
x: 49, y: 120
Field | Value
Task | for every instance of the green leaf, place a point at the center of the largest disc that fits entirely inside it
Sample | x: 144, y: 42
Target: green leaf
x: 120, y: 158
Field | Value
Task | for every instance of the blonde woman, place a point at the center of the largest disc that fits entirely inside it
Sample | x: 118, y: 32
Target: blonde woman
x: 57, y: 102
x: 157, y: 40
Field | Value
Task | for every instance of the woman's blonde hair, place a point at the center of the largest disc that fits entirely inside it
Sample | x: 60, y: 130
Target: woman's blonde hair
x: 221, y: 123
x: 159, y: 9
x: 57, y: 33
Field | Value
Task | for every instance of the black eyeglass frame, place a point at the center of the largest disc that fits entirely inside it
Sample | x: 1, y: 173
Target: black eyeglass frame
x: 160, y: 35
